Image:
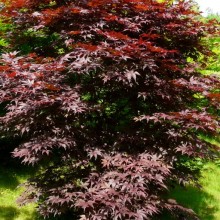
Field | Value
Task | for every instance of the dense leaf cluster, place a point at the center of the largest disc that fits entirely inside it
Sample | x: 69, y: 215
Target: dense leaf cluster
x: 112, y: 114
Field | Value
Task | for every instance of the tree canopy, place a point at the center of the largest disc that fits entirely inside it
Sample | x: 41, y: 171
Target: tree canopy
x: 106, y: 96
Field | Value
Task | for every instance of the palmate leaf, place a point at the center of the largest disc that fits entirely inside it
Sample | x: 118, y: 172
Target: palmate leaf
x: 131, y: 74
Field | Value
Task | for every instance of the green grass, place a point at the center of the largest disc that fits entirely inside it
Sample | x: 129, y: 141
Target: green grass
x: 205, y: 201
x: 10, y: 178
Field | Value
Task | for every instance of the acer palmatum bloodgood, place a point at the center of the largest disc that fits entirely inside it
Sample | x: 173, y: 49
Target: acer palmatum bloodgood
x: 113, y: 112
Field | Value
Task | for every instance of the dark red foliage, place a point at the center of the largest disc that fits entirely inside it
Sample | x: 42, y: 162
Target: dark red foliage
x: 113, y: 114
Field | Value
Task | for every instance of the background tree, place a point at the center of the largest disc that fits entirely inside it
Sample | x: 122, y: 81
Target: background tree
x: 110, y: 105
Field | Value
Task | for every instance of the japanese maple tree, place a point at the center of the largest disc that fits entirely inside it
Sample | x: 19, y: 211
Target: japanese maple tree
x: 109, y: 114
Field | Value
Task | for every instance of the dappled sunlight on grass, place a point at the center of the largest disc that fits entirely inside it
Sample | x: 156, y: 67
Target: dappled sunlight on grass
x: 9, y: 192
x: 210, y: 72
x: 205, y: 201
x: 14, y: 213
x: 211, y: 185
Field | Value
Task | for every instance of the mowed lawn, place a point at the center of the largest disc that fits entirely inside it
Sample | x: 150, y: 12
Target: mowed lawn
x: 10, y: 178
x: 205, y: 201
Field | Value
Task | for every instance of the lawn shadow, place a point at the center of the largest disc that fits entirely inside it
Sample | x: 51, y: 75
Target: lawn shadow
x: 11, y: 169
x: 8, y: 179
x: 8, y: 213
x: 202, y: 203
x: 12, y: 213
x: 12, y: 175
